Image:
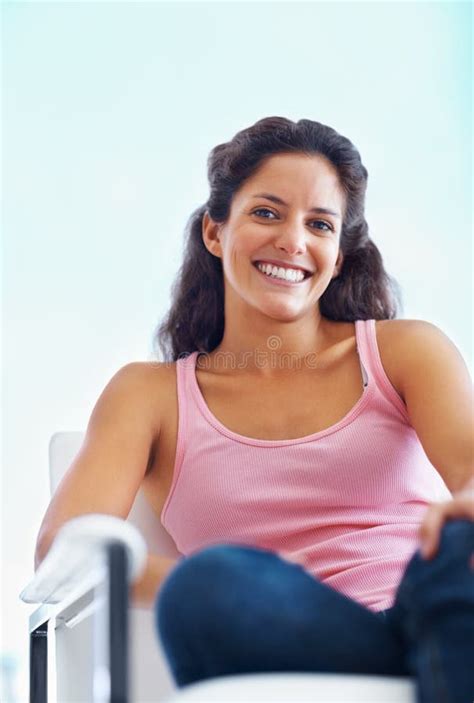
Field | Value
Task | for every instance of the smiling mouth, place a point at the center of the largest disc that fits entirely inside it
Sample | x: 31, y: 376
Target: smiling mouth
x: 306, y: 274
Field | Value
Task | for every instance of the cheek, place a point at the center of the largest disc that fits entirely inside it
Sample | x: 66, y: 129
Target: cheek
x: 237, y: 261
x: 324, y: 251
x: 241, y: 249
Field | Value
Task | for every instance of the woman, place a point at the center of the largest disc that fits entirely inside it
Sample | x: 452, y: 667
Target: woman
x: 294, y: 419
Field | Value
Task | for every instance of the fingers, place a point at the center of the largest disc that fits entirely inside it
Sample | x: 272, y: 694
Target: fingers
x: 430, y: 531
x: 291, y: 557
x: 461, y: 506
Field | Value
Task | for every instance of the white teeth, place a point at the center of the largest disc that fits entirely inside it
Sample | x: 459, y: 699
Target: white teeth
x: 279, y: 272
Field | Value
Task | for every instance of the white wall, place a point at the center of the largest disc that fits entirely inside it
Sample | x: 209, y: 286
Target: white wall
x: 109, y: 112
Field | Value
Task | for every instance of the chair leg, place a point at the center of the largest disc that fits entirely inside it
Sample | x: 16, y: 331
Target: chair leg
x: 39, y: 664
x: 118, y: 622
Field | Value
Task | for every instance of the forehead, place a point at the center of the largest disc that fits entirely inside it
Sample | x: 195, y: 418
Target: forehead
x: 296, y: 176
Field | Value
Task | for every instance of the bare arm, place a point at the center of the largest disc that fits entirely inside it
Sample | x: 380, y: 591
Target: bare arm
x: 106, y: 474
x: 439, y: 396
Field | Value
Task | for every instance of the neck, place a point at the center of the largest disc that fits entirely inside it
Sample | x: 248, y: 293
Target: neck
x: 271, y: 350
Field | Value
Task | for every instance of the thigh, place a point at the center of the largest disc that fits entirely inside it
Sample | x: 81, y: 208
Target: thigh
x: 252, y: 611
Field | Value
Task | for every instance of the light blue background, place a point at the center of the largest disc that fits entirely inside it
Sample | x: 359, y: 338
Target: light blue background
x: 109, y: 113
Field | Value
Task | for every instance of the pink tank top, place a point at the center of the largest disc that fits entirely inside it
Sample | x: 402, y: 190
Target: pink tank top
x: 347, y: 500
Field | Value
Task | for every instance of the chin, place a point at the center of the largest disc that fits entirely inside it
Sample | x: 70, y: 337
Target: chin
x: 283, y: 313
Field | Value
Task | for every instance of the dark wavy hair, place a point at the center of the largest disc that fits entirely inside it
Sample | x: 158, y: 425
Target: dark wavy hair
x: 363, y: 290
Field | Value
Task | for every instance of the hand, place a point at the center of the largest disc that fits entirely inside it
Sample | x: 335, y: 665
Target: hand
x: 291, y: 557
x: 461, y: 506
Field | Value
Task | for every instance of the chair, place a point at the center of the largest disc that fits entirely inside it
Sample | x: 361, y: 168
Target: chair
x: 78, y: 653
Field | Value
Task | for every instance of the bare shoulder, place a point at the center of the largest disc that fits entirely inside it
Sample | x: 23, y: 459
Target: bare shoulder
x: 404, y: 332
x: 161, y: 372
x: 148, y: 382
x: 142, y: 373
x: 405, y: 347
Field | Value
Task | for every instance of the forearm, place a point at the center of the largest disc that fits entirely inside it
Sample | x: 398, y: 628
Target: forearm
x: 144, y: 590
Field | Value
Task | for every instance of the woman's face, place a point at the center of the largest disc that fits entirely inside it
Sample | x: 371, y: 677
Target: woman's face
x: 289, y: 211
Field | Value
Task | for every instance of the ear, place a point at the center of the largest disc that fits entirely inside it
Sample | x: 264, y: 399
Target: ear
x: 338, y: 264
x: 210, y: 235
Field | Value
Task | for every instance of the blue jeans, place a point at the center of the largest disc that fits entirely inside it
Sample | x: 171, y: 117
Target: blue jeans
x: 232, y: 609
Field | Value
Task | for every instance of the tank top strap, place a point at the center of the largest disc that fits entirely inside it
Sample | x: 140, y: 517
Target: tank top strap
x: 184, y: 372
x: 370, y: 356
x: 362, y: 330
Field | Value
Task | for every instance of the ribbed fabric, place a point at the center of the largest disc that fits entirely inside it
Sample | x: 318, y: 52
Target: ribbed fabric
x: 348, y: 500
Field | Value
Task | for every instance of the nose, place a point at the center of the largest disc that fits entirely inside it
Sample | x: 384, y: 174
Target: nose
x: 293, y: 240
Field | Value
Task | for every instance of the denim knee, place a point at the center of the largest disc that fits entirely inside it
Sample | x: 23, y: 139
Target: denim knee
x: 459, y: 531
x: 456, y: 542
x: 448, y: 576
x: 195, y: 570
x: 194, y: 585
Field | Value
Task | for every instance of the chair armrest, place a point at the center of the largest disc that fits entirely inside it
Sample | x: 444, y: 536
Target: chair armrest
x: 77, y: 555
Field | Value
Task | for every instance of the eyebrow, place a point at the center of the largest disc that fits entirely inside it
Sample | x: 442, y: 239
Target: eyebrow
x: 279, y: 201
